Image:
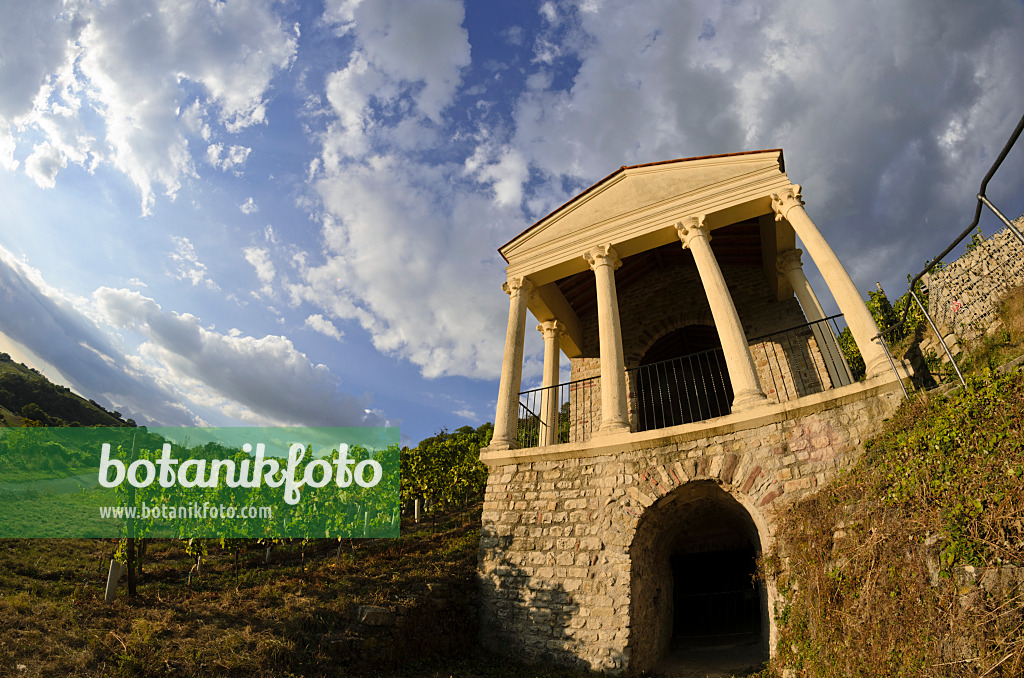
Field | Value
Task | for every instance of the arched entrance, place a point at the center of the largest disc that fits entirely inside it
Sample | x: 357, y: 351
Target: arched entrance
x: 695, y: 597
x: 681, y: 378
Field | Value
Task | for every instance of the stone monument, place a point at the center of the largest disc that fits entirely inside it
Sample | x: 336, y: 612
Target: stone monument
x: 625, y: 507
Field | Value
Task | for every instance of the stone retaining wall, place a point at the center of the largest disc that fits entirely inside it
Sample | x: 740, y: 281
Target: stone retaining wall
x: 963, y: 297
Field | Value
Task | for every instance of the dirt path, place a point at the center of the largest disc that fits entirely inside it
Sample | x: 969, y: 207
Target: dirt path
x: 715, y: 658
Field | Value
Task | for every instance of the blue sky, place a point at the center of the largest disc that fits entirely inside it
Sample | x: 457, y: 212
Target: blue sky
x: 272, y: 213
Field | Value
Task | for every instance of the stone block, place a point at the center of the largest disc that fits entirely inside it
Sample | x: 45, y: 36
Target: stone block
x: 370, y: 615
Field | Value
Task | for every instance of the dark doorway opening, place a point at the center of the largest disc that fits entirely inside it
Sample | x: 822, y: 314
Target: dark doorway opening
x: 698, y: 602
x: 716, y: 594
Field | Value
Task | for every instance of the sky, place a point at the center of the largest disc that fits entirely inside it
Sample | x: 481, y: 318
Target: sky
x: 287, y: 213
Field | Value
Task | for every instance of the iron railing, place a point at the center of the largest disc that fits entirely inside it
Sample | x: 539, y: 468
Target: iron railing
x: 791, y: 363
x: 565, y: 413
x: 681, y: 390
x: 982, y: 199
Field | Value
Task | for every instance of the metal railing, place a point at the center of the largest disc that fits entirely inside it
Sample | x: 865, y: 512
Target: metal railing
x: 795, y: 362
x: 982, y: 199
x: 681, y: 390
x: 801, y: 360
x: 565, y: 413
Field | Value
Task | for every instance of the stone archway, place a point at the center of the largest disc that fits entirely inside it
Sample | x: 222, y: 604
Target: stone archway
x: 692, y: 584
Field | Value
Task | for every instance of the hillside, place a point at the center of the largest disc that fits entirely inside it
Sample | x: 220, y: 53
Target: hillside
x: 912, y: 563
x: 25, y: 394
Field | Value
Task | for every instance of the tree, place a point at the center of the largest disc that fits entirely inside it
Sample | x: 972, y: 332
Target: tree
x: 852, y: 354
x: 446, y: 468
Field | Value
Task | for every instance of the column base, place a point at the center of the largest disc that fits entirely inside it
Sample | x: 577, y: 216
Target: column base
x: 499, y: 445
x: 880, y: 366
x: 745, y: 400
x: 612, y: 427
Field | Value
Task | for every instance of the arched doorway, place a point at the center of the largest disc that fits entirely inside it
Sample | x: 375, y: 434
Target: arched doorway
x: 696, y: 601
x: 681, y: 378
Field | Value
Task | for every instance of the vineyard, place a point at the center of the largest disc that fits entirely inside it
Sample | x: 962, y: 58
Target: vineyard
x: 262, y: 607
x: 303, y: 611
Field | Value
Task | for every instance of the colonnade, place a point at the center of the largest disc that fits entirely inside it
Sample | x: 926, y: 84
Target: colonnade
x: 694, y: 235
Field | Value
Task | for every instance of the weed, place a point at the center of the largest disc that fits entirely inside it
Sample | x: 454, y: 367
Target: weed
x: 934, y: 507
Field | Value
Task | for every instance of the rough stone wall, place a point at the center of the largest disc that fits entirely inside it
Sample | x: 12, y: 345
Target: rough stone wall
x: 556, y: 557
x: 963, y: 297
x: 584, y: 398
x: 790, y: 365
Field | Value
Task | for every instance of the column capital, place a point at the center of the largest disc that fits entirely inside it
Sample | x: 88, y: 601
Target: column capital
x: 785, y: 200
x: 602, y: 255
x: 551, y: 329
x: 691, y: 227
x: 788, y: 260
x: 515, y: 286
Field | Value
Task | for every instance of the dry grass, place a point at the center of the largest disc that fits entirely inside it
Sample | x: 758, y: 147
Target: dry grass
x: 291, y: 617
x: 1011, y: 312
x: 887, y: 568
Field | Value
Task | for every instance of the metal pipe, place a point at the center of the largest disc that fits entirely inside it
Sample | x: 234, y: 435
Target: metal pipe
x: 977, y: 216
x: 999, y: 214
x: 938, y: 335
x: 885, y: 347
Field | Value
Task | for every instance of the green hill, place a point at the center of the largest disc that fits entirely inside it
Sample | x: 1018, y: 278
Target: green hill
x: 29, y: 398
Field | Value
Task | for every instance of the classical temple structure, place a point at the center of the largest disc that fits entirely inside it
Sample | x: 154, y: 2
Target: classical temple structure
x: 626, y: 506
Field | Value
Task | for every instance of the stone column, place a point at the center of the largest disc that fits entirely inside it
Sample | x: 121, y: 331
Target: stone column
x: 506, y: 418
x: 551, y: 330
x: 789, y: 205
x: 746, y: 388
x: 614, y: 413
x: 788, y: 265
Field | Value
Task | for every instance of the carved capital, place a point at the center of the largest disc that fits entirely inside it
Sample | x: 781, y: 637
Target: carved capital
x: 788, y: 260
x: 516, y: 286
x: 551, y: 329
x: 785, y: 200
x: 692, y: 227
x: 602, y: 255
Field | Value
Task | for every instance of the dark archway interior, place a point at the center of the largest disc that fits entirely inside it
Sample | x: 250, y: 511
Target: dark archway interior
x: 716, y: 594
x: 694, y: 587
x: 682, y: 378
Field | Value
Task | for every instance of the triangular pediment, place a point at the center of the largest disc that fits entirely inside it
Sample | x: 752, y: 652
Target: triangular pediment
x: 640, y: 197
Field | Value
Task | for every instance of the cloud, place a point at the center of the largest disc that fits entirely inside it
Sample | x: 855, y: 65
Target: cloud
x: 408, y: 54
x: 44, y: 164
x: 34, y: 46
x: 232, y: 159
x: 505, y: 174
x: 154, y: 71
x: 882, y: 112
x: 249, y: 206
x: 435, y: 303
x: 318, y: 323
x: 187, y: 265
x: 61, y: 332
x: 259, y: 380
x: 259, y: 258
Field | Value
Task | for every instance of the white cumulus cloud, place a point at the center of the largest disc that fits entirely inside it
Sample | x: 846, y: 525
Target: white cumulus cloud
x: 259, y: 380
x: 138, y: 64
x: 318, y: 323
x: 187, y: 265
